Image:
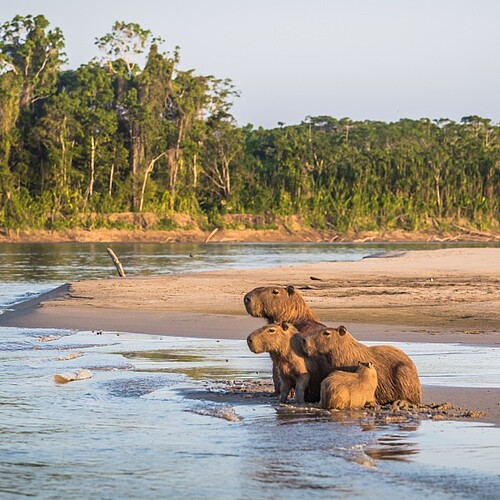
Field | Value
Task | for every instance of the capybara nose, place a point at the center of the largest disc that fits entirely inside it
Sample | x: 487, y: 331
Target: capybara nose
x: 249, y: 340
x: 247, y: 299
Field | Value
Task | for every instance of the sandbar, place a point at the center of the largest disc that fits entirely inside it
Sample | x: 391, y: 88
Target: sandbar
x: 444, y: 295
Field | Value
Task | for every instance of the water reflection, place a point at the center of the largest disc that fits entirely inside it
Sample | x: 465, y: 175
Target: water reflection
x: 394, y: 446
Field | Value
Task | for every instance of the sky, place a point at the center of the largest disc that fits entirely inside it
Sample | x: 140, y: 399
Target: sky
x: 290, y: 59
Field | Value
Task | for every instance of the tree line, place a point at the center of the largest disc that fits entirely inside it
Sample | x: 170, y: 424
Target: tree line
x: 130, y: 131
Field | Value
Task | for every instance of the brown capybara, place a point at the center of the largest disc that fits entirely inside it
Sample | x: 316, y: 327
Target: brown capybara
x: 295, y: 371
x: 342, y: 390
x: 279, y: 304
x: 396, y: 372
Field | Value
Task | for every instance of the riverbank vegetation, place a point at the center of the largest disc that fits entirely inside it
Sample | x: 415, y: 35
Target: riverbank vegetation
x: 130, y: 131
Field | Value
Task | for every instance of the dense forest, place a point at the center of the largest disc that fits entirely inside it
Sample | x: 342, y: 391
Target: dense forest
x: 132, y: 132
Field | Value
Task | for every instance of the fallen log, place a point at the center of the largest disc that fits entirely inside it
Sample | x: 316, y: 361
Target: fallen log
x: 116, y: 262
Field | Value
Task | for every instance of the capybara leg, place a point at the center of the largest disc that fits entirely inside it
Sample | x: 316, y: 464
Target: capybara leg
x: 408, y: 384
x: 276, y: 380
x: 286, y: 387
x: 300, y: 388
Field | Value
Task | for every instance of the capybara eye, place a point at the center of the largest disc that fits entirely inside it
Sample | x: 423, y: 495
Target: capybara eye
x: 326, y: 333
x: 275, y: 292
x: 272, y: 330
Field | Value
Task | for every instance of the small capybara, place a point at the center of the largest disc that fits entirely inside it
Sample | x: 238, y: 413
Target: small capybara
x: 279, y: 304
x: 342, y: 390
x: 295, y: 371
x: 396, y: 372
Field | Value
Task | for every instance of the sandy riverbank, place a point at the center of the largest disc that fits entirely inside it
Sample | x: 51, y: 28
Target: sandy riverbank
x: 427, y: 296
x: 290, y: 231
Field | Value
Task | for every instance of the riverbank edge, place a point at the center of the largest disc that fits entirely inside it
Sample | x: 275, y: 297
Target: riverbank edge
x: 282, y: 234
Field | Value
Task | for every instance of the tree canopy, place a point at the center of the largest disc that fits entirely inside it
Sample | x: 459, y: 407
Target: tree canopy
x: 132, y: 131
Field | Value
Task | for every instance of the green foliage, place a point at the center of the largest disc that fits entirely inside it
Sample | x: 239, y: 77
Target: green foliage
x: 165, y: 224
x: 131, y: 131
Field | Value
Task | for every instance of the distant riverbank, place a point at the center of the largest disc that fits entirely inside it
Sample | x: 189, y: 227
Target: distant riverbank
x: 282, y: 233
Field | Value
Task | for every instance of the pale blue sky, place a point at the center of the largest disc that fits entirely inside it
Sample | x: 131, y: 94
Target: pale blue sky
x: 364, y: 59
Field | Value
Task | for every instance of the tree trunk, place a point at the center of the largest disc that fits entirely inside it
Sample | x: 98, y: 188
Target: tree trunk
x: 438, y: 194
x: 93, y: 145
x: 148, y: 170
x: 137, y: 156
x: 111, y: 174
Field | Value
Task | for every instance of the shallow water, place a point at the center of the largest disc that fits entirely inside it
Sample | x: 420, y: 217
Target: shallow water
x: 141, y: 427
x: 145, y: 426
x: 69, y: 261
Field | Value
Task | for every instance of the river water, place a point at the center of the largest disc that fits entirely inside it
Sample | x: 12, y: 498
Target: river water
x: 146, y: 426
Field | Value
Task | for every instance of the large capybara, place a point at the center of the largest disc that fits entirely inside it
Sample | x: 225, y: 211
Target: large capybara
x: 397, y: 374
x: 295, y: 371
x: 342, y: 390
x: 279, y: 304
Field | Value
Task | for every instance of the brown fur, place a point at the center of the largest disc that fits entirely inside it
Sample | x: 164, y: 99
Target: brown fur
x: 294, y: 370
x: 397, y: 374
x: 342, y: 390
x: 279, y: 304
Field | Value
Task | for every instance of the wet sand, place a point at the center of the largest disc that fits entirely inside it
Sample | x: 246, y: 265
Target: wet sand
x: 450, y: 295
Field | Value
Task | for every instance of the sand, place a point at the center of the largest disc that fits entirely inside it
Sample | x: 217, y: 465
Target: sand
x: 450, y: 295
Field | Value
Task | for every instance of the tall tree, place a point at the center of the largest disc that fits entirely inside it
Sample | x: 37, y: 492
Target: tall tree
x: 30, y: 58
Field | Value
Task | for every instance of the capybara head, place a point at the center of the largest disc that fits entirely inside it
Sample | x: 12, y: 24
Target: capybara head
x: 322, y: 342
x: 271, y: 338
x: 366, y: 368
x: 277, y: 304
x: 365, y: 364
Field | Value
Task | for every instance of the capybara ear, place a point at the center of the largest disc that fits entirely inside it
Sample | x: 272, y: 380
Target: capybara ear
x: 285, y: 325
x: 290, y: 289
x: 342, y: 330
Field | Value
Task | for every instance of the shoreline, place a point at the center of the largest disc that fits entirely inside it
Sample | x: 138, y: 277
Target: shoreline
x: 291, y: 232
x: 435, y: 296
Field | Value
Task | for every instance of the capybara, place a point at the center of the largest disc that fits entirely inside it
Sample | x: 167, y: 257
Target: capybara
x: 396, y: 372
x: 282, y: 342
x: 280, y: 304
x: 342, y: 390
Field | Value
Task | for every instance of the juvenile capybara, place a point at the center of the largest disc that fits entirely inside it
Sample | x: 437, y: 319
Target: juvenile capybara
x: 295, y: 371
x: 342, y: 390
x: 396, y: 372
x: 280, y: 304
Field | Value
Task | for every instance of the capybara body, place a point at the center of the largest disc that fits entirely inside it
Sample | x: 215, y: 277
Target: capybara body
x: 396, y: 372
x: 282, y: 342
x: 342, y: 390
x: 279, y: 304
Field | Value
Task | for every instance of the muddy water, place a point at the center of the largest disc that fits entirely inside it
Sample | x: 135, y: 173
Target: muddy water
x: 145, y: 426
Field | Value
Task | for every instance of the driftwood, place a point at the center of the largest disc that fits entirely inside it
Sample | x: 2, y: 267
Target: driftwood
x: 64, y: 378
x: 116, y: 262
x: 476, y: 232
x: 209, y: 237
